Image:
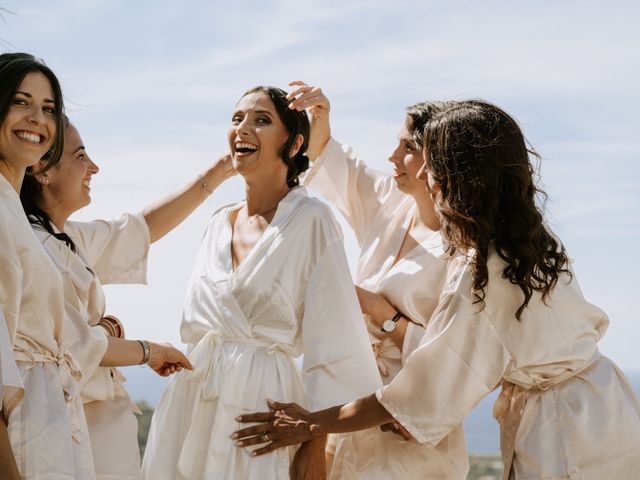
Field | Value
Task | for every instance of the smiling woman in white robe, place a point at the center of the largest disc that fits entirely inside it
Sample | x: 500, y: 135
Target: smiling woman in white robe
x: 402, y: 267
x: 247, y: 319
x: 104, y: 252
x: 47, y: 428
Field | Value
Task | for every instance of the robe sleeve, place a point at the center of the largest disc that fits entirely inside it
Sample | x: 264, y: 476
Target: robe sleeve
x: 116, y: 250
x: 11, y: 387
x: 412, y: 338
x: 338, y: 364
x: 356, y: 190
x: 461, y: 360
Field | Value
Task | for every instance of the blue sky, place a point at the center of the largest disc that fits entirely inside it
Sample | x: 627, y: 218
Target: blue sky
x: 151, y: 86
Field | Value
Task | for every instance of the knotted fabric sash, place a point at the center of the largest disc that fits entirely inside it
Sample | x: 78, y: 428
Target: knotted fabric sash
x: 205, y: 358
x: 70, y: 373
x: 510, y: 404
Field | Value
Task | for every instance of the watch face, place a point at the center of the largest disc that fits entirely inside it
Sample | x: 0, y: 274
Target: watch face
x: 389, y: 326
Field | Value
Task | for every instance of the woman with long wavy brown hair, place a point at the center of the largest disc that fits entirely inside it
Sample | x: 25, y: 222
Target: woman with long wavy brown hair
x: 511, y: 315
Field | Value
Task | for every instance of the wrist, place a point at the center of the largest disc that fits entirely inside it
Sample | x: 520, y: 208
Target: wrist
x: 146, y: 351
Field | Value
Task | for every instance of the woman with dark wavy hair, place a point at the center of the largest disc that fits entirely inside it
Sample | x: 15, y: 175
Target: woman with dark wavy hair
x: 511, y: 315
x: 399, y: 276
x: 271, y: 282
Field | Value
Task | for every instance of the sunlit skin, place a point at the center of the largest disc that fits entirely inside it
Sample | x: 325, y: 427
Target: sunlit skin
x: 28, y: 129
x: 407, y: 160
x: 69, y: 181
x: 256, y: 137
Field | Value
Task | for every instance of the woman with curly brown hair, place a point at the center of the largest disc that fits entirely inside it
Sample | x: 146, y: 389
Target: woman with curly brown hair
x: 511, y: 315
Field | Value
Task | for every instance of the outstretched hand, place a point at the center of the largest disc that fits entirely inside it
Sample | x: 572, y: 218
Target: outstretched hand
x: 284, y: 425
x: 312, y: 99
x: 164, y: 359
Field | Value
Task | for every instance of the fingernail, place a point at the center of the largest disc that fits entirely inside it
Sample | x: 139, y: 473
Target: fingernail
x: 234, y: 435
x: 253, y: 454
x: 239, y: 444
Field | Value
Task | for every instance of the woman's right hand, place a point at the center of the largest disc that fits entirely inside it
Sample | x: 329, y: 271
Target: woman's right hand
x: 165, y: 359
x: 223, y: 167
x: 317, y: 104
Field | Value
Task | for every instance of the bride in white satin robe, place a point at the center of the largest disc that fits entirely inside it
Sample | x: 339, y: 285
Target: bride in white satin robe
x: 247, y: 321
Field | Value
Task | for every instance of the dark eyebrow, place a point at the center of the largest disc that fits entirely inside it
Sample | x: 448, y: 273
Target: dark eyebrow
x: 81, y: 147
x: 264, y: 111
x: 28, y: 95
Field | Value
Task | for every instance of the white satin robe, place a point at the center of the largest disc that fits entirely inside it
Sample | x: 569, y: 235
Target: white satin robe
x: 380, y: 215
x: 47, y: 428
x: 108, y: 251
x: 292, y: 295
x: 581, y: 420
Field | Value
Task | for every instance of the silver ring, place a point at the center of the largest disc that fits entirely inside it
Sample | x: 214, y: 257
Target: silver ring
x: 265, y: 438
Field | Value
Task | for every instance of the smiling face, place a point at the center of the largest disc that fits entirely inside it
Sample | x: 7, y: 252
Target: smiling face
x: 407, y: 160
x: 68, y: 183
x: 256, y: 137
x: 29, y: 127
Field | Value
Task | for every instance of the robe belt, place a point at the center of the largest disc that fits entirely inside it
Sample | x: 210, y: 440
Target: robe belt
x: 383, y: 350
x: 70, y: 373
x: 508, y: 408
x: 205, y: 357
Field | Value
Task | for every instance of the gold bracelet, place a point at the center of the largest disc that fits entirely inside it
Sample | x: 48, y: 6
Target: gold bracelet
x: 204, y: 185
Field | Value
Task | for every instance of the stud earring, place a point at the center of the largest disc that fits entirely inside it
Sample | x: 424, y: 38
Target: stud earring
x: 44, y: 181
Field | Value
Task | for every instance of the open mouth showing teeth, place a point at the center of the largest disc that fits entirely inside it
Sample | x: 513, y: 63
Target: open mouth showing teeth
x: 244, y: 148
x: 29, y: 137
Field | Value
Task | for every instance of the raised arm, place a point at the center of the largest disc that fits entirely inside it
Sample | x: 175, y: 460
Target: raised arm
x: 168, y: 213
x: 359, y: 192
x: 312, y: 99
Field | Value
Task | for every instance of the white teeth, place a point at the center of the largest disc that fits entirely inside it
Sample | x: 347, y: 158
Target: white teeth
x: 246, y: 145
x: 87, y: 183
x: 30, y: 137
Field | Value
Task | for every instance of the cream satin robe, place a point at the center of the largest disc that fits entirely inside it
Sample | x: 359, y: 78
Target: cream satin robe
x: 108, y: 252
x: 47, y: 429
x: 11, y: 388
x: 380, y: 215
x: 581, y: 419
x: 292, y: 295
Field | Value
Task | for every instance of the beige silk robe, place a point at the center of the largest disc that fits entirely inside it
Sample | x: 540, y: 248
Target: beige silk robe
x: 11, y: 388
x: 47, y: 428
x: 107, y: 251
x: 581, y: 419
x: 292, y: 295
x: 380, y: 215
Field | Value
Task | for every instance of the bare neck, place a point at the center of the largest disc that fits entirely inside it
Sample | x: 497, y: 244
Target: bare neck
x: 262, y: 197
x: 58, y: 214
x: 14, y: 175
x: 426, y: 213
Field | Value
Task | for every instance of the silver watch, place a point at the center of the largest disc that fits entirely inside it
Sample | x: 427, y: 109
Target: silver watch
x: 389, y: 325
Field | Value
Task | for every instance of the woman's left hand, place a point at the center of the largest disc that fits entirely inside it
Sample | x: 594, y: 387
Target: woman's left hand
x: 309, y: 462
x: 375, y: 305
x: 286, y: 424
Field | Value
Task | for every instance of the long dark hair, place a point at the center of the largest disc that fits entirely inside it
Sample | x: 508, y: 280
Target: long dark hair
x: 13, y: 68
x: 418, y: 116
x: 478, y: 156
x: 296, y: 123
x: 31, y: 195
